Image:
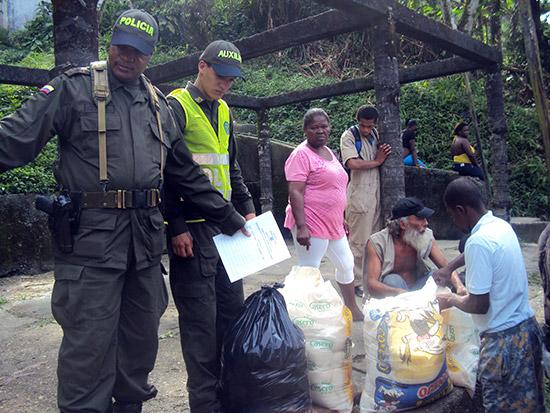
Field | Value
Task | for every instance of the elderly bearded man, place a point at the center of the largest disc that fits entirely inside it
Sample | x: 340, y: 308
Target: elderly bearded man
x: 397, y: 257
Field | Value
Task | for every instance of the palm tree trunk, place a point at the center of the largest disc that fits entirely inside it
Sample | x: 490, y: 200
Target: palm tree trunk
x: 386, y: 86
x: 75, y: 32
x: 535, y: 74
x: 497, y: 123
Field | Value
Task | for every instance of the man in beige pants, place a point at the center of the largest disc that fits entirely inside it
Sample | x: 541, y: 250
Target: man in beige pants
x: 362, y: 154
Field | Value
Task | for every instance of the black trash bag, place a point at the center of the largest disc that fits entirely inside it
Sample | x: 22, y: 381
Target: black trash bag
x: 264, y: 367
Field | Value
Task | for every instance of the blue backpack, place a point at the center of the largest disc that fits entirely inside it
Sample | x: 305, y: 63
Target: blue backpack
x: 358, y: 143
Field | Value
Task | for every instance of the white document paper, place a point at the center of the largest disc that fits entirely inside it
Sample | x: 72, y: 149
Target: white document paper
x: 242, y: 255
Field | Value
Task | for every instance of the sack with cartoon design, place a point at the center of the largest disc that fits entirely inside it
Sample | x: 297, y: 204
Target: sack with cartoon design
x: 314, y: 305
x: 405, y: 354
x: 462, y: 348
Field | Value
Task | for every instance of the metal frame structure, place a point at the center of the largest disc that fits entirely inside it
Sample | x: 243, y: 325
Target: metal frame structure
x: 386, y: 18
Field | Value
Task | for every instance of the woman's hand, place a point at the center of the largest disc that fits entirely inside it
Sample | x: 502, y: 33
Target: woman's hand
x: 303, y: 236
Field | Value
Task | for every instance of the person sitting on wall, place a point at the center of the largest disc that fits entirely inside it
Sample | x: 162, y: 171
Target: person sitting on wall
x: 464, y: 154
x: 408, y: 137
x: 397, y: 257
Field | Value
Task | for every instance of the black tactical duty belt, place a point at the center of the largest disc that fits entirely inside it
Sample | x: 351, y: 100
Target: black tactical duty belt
x: 121, y: 199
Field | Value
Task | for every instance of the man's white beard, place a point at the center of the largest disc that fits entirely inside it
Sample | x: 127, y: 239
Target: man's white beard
x: 416, y: 239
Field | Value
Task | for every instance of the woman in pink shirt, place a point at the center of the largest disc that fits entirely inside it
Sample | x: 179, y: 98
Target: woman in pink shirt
x: 317, y: 200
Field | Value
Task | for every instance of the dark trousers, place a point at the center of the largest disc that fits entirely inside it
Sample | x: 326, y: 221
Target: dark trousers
x: 467, y: 169
x: 207, y: 303
x: 110, y: 321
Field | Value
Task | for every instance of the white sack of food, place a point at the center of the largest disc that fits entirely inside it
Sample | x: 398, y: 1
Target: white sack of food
x: 462, y: 347
x: 315, y: 306
x: 404, y: 350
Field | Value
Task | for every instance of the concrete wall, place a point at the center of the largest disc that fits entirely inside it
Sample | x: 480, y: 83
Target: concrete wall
x: 25, y: 245
x: 248, y: 159
x: 429, y: 186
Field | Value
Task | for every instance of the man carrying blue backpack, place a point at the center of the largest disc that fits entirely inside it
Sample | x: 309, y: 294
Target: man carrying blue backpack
x: 362, y: 154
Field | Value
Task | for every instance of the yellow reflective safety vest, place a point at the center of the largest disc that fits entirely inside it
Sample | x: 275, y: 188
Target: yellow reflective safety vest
x: 210, y: 149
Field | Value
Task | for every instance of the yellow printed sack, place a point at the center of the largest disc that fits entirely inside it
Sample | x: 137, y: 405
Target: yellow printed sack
x: 404, y: 350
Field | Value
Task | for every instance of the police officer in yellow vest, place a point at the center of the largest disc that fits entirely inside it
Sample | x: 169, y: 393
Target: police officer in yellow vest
x: 115, y: 134
x: 206, y: 300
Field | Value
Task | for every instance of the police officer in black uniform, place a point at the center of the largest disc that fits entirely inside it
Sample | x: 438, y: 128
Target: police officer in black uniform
x: 117, y: 141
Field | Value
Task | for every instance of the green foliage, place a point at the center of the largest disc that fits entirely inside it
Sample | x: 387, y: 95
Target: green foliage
x: 264, y: 79
x: 437, y: 105
x: 186, y: 26
x: 37, y: 36
x: 37, y: 176
x: 11, y: 98
x: 4, y: 37
x: 38, y: 60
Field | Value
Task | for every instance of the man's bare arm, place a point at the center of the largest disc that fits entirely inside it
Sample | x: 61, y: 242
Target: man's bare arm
x: 438, y: 258
x: 372, y: 267
x: 443, y: 274
x: 361, y: 164
x: 469, y: 303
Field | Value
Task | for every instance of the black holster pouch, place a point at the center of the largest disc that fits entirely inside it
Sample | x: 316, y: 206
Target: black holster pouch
x: 64, y: 214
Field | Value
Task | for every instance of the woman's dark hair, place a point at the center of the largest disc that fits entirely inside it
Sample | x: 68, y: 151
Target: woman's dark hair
x: 458, y: 127
x: 411, y: 122
x: 366, y: 112
x: 311, y: 113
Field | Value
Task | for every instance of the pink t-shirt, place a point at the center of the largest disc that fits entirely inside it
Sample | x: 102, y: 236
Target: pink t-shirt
x: 324, y: 195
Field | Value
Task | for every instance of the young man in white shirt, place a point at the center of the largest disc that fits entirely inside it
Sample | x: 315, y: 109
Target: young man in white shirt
x: 510, y: 369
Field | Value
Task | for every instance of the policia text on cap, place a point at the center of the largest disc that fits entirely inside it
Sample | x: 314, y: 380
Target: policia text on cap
x: 117, y: 144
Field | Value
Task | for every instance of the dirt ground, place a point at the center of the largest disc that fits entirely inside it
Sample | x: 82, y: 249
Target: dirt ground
x: 30, y: 337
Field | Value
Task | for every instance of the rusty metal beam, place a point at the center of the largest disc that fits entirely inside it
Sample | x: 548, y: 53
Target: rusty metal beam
x: 23, y: 76
x: 417, y: 26
x: 406, y: 75
x: 38, y: 77
x: 320, y: 26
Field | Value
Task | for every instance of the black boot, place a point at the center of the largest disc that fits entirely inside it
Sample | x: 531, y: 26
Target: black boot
x: 127, y: 407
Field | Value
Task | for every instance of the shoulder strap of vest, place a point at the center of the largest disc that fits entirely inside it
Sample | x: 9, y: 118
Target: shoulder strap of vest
x: 100, y: 90
x: 155, y: 99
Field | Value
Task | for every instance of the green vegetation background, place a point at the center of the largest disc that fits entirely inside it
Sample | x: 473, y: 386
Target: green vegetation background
x: 436, y: 104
